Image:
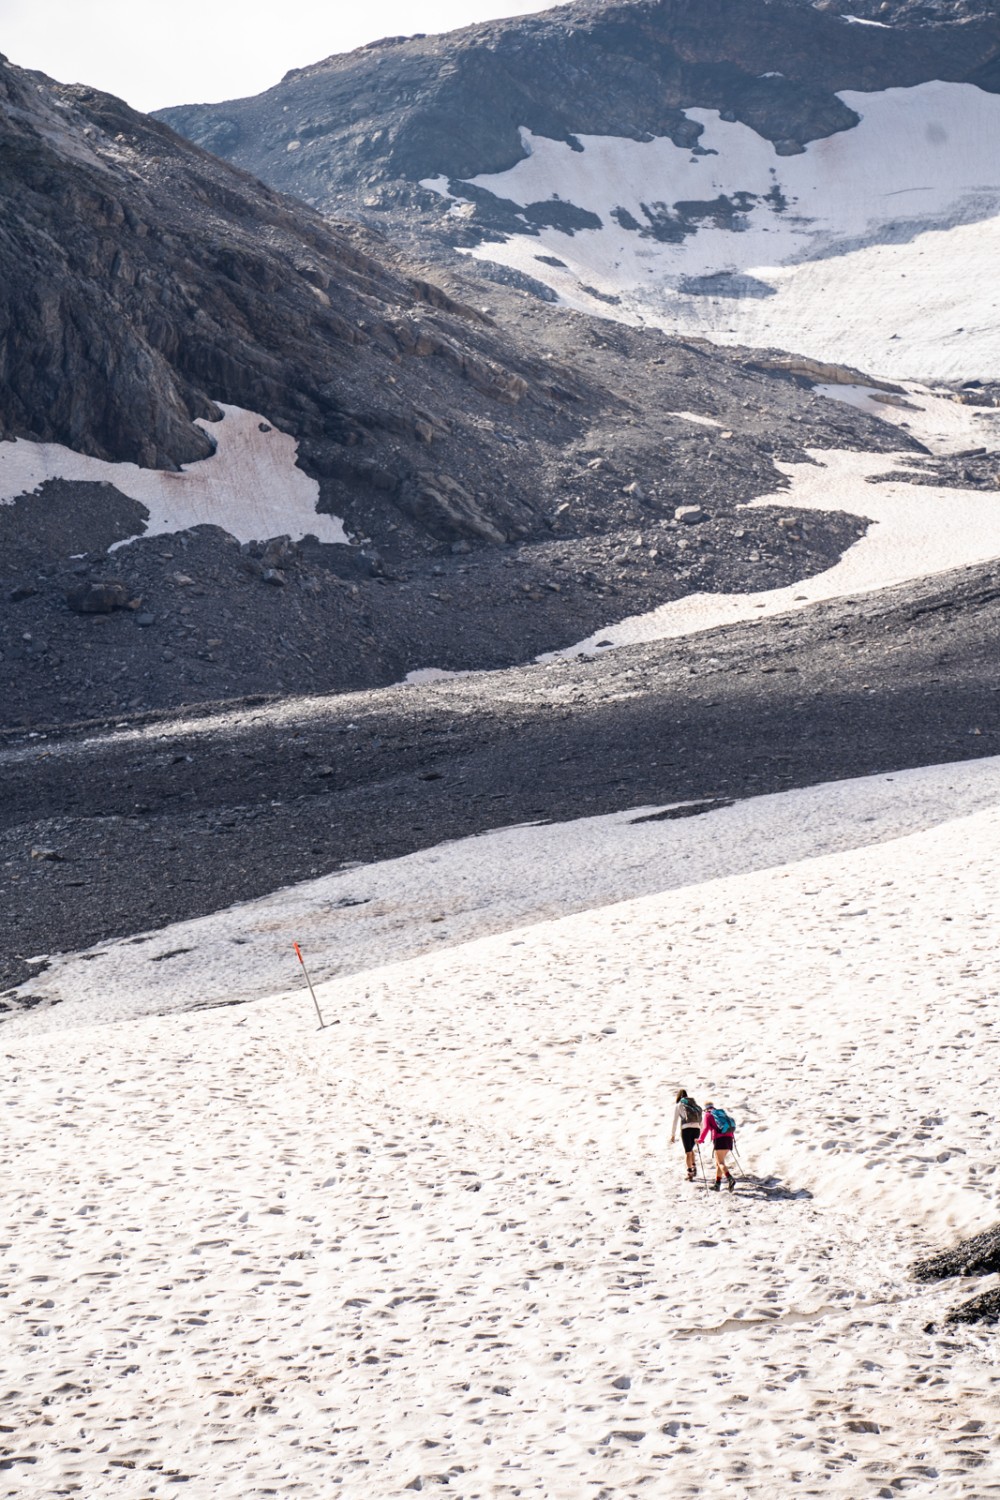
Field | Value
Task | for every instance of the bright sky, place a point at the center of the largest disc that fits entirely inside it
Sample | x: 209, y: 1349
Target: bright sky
x: 159, y: 52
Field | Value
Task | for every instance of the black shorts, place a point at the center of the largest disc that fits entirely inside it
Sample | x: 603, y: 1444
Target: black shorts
x: 689, y: 1136
x: 723, y: 1143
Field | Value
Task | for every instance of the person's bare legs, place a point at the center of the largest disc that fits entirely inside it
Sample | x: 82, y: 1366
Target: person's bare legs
x: 721, y: 1170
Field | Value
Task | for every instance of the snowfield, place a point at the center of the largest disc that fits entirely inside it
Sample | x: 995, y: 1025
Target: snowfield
x: 446, y: 1239
x: 874, y: 247
x: 251, y: 485
x: 945, y: 426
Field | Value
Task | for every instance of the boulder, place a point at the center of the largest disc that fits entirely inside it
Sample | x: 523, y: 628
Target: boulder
x: 446, y: 509
x: 278, y: 552
x: 100, y: 597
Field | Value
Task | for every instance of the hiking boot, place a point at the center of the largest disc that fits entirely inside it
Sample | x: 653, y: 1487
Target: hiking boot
x: 732, y: 1181
x: 716, y: 1185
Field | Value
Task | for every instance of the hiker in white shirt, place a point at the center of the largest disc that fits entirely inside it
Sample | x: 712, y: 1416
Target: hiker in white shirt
x: 687, y: 1119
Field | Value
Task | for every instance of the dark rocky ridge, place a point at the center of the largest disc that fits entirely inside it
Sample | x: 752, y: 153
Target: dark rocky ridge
x: 359, y: 131
x: 978, y: 1256
x: 141, y: 281
x: 181, y: 819
x: 974, y: 1257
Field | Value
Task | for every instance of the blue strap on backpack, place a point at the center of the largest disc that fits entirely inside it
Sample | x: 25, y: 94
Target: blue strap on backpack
x: 724, y: 1123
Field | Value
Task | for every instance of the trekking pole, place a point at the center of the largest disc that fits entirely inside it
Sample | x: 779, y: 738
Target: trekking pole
x: 701, y: 1165
x: 298, y: 955
x: 739, y: 1162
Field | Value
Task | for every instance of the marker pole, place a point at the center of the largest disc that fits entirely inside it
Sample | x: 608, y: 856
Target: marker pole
x: 298, y: 955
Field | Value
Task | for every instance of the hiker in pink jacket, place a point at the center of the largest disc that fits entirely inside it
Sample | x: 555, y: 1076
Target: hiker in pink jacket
x: 722, y: 1129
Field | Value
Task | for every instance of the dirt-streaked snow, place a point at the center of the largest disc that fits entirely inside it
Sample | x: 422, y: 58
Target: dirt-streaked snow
x: 251, y: 485
x: 875, y: 247
x: 423, y: 676
x: 454, y: 892
x: 447, y: 1237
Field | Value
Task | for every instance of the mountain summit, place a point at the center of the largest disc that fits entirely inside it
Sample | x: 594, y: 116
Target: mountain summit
x: 358, y: 128
x: 753, y: 171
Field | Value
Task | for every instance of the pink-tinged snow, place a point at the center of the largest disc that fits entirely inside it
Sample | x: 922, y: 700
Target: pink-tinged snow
x: 446, y: 1240
x: 251, y: 485
x: 916, y: 531
x: 880, y: 251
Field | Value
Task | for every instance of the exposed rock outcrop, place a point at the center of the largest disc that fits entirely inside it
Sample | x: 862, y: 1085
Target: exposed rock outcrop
x: 975, y: 1257
x: 820, y: 371
x: 141, y: 282
x: 978, y: 1256
x: 982, y: 1309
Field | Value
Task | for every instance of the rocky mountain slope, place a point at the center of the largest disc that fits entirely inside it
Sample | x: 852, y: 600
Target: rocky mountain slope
x: 507, y: 477
x: 145, y: 282
x: 757, y: 173
x: 365, y: 128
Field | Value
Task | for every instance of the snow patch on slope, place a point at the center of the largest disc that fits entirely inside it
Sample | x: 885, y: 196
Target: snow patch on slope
x: 916, y: 531
x: 693, y: 416
x: 944, y: 425
x: 876, y: 246
x: 251, y: 486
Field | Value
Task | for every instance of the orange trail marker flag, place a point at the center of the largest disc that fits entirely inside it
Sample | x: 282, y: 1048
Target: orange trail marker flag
x: 298, y: 955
